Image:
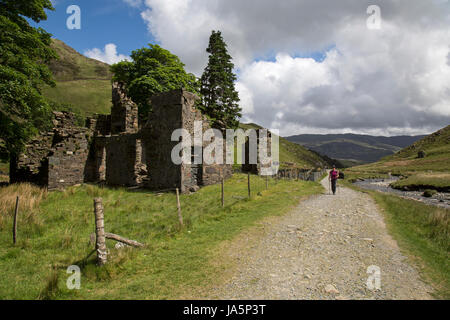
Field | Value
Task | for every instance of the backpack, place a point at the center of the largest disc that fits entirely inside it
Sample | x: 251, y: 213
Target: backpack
x: 334, y: 174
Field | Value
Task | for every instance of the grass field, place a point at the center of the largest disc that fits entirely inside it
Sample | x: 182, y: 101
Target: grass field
x: 85, y: 96
x: 54, y: 231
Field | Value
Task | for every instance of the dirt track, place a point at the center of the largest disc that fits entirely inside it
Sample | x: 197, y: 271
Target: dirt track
x: 322, y: 250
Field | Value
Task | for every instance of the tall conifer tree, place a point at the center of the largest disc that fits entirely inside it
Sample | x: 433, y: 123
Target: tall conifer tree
x: 220, y: 98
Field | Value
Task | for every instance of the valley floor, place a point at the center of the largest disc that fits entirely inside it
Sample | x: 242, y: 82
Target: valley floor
x: 321, y: 250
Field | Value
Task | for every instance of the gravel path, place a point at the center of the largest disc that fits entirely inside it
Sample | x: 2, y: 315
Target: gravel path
x: 321, y: 250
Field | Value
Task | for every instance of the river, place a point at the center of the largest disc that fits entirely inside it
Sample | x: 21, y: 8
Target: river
x: 441, y: 199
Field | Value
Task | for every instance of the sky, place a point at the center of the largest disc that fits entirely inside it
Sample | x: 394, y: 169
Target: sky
x: 303, y: 66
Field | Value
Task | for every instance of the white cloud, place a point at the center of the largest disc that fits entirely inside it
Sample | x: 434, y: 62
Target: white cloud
x: 108, y: 54
x: 393, y: 80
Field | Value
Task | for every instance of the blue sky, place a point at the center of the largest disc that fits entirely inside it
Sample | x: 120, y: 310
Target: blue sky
x: 102, y: 22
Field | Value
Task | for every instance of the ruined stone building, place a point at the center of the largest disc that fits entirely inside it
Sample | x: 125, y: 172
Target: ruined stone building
x: 118, y: 151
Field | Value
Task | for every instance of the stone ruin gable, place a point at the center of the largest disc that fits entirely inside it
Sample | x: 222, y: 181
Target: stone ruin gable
x: 195, y: 175
x: 32, y: 165
x: 166, y: 116
x: 123, y: 153
x: 56, y: 159
x: 256, y: 168
x: 213, y: 173
x: 124, y: 112
x: 116, y: 152
x: 175, y: 110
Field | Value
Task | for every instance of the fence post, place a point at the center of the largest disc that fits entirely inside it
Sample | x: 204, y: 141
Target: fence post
x: 100, y: 243
x: 180, y: 217
x: 223, y: 194
x: 16, y: 211
x: 248, y: 183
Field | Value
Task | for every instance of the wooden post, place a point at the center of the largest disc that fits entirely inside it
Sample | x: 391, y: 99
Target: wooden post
x: 100, y: 243
x: 223, y: 194
x: 180, y: 217
x: 248, y: 183
x: 16, y: 211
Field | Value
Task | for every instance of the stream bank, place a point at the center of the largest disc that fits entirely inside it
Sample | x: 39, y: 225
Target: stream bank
x: 440, y: 199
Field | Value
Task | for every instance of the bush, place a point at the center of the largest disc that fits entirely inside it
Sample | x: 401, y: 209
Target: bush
x: 421, y: 154
x: 429, y: 193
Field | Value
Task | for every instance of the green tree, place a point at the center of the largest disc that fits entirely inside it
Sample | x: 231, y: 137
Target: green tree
x: 24, y: 53
x: 153, y: 70
x: 220, y: 98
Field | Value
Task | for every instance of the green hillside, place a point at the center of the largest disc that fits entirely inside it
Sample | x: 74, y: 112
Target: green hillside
x: 83, y: 85
x: 431, y: 171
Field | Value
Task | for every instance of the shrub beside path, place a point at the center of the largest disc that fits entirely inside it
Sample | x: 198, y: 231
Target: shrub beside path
x: 322, y: 250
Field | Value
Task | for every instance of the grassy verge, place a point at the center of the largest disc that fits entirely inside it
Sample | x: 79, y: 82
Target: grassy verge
x: 423, y: 233
x: 436, y: 181
x: 175, y: 260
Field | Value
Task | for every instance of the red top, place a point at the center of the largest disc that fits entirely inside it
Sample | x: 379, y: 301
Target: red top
x: 334, y: 174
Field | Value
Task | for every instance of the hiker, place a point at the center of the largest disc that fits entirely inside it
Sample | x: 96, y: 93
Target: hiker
x: 333, y: 177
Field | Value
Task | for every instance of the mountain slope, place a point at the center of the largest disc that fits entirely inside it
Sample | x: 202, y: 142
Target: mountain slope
x: 83, y: 85
x: 431, y: 171
x: 354, y: 147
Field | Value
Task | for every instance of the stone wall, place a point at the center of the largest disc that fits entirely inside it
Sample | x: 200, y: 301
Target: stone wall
x: 124, y: 112
x: 121, y: 160
x: 68, y: 162
x: 69, y: 153
x: 56, y: 159
x: 176, y: 110
x: 32, y: 165
x: 156, y: 136
x: 100, y: 124
x: 262, y: 144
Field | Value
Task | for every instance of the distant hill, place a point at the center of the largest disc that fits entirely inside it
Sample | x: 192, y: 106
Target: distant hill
x: 430, y: 170
x: 83, y: 85
x: 436, y: 147
x: 354, y: 148
x: 295, y: 154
